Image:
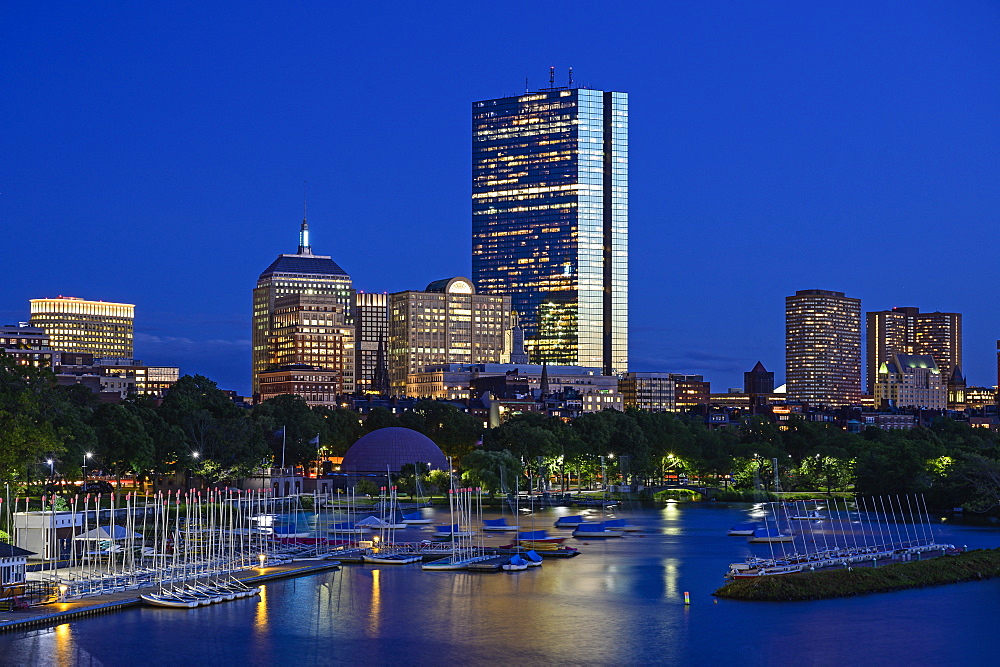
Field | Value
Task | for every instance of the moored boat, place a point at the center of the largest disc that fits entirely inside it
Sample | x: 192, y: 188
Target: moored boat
x: 498, y: 526
x: 515, y: 564
x: 416, y: 519
x: 770, y: 535
x: 746, y: 528
x: 595, y: 530
x: 391, y: 559
x: 570, y: 521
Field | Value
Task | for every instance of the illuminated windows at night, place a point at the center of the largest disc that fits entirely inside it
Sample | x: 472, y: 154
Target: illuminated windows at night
x: 550, y: 220
x: 92, y: 327
x: 823, y: 348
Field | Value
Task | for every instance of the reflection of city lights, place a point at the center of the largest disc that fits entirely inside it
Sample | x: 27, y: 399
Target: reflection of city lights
x: 374, y: 616
x: 64, y: 644
x: 260, y: 614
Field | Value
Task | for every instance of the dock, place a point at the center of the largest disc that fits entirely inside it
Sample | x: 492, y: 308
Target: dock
x: 57, y: 613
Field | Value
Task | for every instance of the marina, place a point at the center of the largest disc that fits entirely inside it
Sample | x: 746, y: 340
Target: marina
x: 629, y: 588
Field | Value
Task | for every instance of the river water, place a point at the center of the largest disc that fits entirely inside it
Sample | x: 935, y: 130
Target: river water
x: 620, y: 602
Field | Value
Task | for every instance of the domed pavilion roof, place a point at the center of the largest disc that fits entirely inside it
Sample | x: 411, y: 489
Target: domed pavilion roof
x: 394, y: 447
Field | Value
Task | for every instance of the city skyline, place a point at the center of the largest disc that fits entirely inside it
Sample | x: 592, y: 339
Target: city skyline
x: 801, y: 137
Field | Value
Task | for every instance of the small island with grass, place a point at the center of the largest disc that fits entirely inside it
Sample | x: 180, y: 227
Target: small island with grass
x: 972, y: 565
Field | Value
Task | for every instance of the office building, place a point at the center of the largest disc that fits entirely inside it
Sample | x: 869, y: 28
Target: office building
x: 653, y: 392
x: 314, y: 384
x: 446, y: 323
x: 823, y: 348
x: 911, y: 381
x: 550, y: 220
x: 371, y: 326
x: 28, y: 346
x: 101, y: 328
x: 908, y: 331
x: 311, y: 330
x: 758, y: 380
x: 299, y: 273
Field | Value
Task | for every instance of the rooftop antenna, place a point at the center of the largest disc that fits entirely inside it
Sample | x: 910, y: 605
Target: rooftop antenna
x: 304, y: 247
x: 552, y: 78
x: 570, y: 77
x: 525, y: 84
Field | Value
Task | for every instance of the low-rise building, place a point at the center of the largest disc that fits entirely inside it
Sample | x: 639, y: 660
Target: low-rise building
x: 911, y: 381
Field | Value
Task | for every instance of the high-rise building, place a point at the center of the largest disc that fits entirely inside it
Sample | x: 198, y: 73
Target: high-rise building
x: 823, y: 348
x: 311, y: 329
x: 550, y: 220
x: 908, y: 331
x: 371, y: 326
x: 299, y: 273
x: 101, y: 328
x: 448, y: 323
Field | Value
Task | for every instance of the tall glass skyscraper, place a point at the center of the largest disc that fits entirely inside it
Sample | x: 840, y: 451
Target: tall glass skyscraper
x: 550, y: 220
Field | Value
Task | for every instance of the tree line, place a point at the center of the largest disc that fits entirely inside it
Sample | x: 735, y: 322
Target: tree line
x: 197, y: 427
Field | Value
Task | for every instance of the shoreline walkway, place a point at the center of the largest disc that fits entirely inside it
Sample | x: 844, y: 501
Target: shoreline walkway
x: 56, y: 613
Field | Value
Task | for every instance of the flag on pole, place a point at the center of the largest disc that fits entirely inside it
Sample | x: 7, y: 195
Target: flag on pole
x: 280, y: 432
x: 315, y: 441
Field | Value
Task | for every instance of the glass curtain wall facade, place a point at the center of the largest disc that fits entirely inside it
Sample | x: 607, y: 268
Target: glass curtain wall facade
x: 550, y: 220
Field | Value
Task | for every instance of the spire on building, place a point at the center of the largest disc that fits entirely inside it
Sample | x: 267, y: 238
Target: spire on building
x: 304, y: 247
x: 543, y: 383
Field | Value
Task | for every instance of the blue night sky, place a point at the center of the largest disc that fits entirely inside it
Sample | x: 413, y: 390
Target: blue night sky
x: 155, y: 153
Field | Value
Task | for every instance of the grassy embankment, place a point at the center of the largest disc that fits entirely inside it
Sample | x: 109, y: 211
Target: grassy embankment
x: 970, y: 566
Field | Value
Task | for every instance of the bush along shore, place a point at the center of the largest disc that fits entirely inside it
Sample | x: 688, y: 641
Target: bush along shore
x: 970, y: 566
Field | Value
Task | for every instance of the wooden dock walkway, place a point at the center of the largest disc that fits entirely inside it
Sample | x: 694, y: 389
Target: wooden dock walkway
x: 61, y: 612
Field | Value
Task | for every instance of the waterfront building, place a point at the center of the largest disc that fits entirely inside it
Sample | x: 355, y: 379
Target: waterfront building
x: 446, y: 323
x: 371, y: 326
x: 28, y: 346
x: 823, y: 348
x: 905, y: 330
x: 550, y: 220
x: 911, y: 381
x: 301, y: 273
x: 101, y: 328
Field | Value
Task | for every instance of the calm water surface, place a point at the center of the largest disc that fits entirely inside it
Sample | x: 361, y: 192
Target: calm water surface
x: 620, y: 602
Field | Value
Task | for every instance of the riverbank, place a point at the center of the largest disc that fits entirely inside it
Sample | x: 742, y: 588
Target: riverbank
x: 974, y: 565
x: 61, y: 612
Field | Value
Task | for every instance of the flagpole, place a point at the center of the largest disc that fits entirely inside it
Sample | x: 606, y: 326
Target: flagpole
x: 283, y: 431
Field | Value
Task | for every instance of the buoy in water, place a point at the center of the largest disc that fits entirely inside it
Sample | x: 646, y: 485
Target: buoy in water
x: 687, y: 598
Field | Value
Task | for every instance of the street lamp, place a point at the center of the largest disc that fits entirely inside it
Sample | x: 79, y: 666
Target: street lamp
x: 52, y: 469
x: 85, y: 457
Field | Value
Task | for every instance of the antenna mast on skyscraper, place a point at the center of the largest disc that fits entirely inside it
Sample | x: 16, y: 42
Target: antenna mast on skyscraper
x: 570, y: 77
x: 552, y: 78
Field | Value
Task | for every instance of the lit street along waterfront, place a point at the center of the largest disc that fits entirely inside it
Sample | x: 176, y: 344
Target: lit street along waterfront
x: 620, y: 602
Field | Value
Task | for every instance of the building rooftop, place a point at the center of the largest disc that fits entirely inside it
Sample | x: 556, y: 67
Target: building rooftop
x: 304, y: 264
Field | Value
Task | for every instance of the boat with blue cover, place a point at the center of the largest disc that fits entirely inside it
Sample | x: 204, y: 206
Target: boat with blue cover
x: 570, y: 521
x: 498, y: 526
x: 593, y: 530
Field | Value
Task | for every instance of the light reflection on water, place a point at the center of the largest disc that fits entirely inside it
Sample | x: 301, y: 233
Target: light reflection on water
x: 619, y: 602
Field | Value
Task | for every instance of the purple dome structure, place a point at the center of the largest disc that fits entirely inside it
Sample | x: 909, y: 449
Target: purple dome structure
x: 392, y: 447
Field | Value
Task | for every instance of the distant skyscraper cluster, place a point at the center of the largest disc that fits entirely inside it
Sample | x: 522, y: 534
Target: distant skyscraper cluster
x: 549, y: 269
